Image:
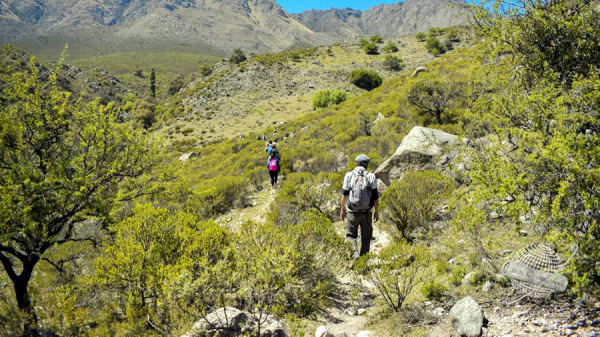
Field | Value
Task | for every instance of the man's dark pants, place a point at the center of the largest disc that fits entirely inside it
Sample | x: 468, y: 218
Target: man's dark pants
x: 364, y: 220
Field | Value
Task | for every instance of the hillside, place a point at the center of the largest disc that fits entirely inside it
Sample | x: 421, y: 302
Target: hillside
x: 487, y: 165
x: 206, y: 27
x: 273, y: 89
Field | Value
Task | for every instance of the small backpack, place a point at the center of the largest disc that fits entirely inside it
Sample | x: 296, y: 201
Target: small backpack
x: 360, y: 191
x: 273, y: 164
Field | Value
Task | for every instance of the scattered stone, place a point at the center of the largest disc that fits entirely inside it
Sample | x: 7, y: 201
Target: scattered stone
x: 341, y: 334
x: 418, y: 70
x: 506, y: 252
x: 523, y: 233
x: 487, y: 286
x: 187, y: 156
x: 361, y: 311
x: 439, y: 311
x: 494, y: 215
x: 467, y: 317
x: 379, y: 118
x: 365, y: 333
x: 323, y: 331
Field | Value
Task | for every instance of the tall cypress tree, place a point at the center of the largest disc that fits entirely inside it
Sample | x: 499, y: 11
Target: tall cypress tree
x: 152, y: 83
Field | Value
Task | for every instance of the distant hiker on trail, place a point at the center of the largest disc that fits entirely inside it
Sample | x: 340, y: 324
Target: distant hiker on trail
x: 360, y: 200
x: 274, y: 168
x: 293, y: 133
x: 269, y: 146
x: 264, y: 136
x: 274, y: 133
x: 258, y: 137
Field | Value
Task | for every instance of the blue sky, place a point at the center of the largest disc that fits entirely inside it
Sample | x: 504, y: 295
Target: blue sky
x: 297, y: 6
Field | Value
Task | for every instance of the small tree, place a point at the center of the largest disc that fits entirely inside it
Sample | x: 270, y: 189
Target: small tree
x: 434, y: 97
x: 152, y: 83
x: 370, y: 48
x: 410, y: 203
x: 237, y: 56
x: 395, y: 271
x: 337, y: 97
x: 391, y: 62
x: 434, y: 46
x: 365, y: 79
x: 62, y: 163
x: 205, y: 69
x: 421, y: 36
x: 321, y: 99
x: 452, y: 35
x: 176, y: 85
x: 376, y: 39
x: 390, y: 48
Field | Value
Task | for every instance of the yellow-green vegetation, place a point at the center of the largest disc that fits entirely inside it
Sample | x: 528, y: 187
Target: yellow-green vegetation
x: 170, y: 64
x: 410, y: 203
x: 83, y: 257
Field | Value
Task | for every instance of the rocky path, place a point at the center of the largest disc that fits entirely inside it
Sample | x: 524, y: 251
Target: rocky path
x: 347, y: 316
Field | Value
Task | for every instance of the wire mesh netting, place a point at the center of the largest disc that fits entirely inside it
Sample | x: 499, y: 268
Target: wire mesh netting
x: 538, y: 257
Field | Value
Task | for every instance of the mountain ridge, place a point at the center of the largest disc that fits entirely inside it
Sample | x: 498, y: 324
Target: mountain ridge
x: 210, y: 26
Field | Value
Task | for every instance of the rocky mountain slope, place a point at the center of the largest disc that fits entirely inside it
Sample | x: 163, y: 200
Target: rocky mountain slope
x: 397, y: 19
x: 206, y: 26
x: 92, y: 84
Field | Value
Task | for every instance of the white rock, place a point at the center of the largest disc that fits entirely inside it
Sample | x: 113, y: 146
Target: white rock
x: 365, y: 333
x: 323, y: 331
x: 487, y: 286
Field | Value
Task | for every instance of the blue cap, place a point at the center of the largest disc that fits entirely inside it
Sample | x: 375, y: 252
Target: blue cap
x: 362, y: 158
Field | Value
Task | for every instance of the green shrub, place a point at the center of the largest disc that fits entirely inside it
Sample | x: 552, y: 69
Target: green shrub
x: 303, y: 192
x: 376, y: 39
x: 395, y: 271
x: 452, y: 35
x: 421, y: 36
x: 390, y: 48
x: 434, y: 46
x: 433, y: 290
x: 218, y: 196
x: 144, y: 114
x: 363, y: 42
x: 365, y: 79
x: 205, y: 69
x: 289, y: 268
x: 457, y: 275
x: 324, y: 98
x: 371, y: 48
x: 410, y: 203
x: 435, y: 31
x: 321, y: 99
x: 175, y: 85
x: 391, y: 62
x: 237, y: 56
x: 337, y: 97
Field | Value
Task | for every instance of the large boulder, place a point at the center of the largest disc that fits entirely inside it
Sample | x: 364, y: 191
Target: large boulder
x: 467, y: 317
x: 421, y: 149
